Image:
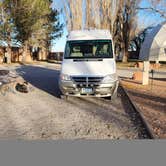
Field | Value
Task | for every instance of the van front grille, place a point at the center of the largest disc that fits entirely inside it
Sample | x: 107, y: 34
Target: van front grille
x: 87, y: 81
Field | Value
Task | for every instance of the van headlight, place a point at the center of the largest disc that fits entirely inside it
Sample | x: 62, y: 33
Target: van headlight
x: 65, y: 77
x: 110, y: 78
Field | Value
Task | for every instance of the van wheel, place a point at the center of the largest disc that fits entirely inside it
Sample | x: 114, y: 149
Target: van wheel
x: 114, y: 96
x: 64, y: 97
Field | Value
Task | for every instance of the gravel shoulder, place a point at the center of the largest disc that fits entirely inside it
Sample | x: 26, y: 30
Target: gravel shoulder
x: 41, y: 114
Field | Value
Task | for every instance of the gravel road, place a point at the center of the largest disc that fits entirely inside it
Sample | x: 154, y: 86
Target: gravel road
x: 41, y: 114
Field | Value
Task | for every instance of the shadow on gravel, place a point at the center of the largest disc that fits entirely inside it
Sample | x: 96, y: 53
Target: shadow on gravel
x: 160, y: 79
x: 154, y: 102
x: 150, y: 97
x: 134, y: 116
x: 42, y: 78
x: 104, y: 109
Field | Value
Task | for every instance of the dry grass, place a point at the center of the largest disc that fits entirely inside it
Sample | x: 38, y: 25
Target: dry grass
x: 152, y: 103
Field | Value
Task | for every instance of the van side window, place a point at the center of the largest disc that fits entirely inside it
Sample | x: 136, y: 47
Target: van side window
x: 103, y: 50
x: 76, y: 51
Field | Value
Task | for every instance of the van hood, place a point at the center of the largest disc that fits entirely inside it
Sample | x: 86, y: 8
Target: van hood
x: 88, y: 68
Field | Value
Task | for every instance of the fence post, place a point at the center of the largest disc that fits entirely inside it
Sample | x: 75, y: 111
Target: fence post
x: 145, y: 75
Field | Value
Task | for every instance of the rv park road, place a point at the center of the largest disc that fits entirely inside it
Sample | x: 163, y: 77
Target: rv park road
x: 41, y: 114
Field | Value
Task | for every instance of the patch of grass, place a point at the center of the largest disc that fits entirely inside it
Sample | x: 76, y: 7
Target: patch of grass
x: 128, y: 64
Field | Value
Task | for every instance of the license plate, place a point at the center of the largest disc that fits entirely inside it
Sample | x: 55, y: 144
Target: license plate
x: 86, y: 90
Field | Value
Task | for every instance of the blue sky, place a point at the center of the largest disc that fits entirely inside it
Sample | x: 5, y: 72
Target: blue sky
x: 59, y: 43
x: 145, y: 18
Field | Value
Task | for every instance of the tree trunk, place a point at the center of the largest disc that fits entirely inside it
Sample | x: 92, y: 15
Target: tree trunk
x: 39, y: 54
x: 8, y: 49
x: 26, y: 54
x: 9, y: 54
x: 45, y: 53
x: 25, y: 47
x: 42, y: 54
x: 125, y: 56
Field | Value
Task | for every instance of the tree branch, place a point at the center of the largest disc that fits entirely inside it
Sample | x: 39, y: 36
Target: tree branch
x: 162, y: 14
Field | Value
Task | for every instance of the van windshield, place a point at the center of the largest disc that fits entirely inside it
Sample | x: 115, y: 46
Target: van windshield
x: 89, y: 49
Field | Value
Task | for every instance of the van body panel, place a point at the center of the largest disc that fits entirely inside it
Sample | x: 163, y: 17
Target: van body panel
x: 89, y: 68
x: 89, y: 35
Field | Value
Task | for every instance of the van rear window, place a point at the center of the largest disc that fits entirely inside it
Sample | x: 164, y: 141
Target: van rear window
x: 89, y: 49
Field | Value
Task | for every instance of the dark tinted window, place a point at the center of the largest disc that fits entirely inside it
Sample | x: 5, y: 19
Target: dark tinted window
x: 89, y: 49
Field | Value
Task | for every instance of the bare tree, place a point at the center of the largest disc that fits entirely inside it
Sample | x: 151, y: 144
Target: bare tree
x: 119, y: 16
x: 100, y: 13
x: 74, y: 14
x: 139, y: 39
x: 125, y: 26
x: 89, y: 21
x: 156, y: 6
x: 97, y: 14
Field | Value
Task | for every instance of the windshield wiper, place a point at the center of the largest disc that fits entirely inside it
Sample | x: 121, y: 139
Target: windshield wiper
x: 87, y: 59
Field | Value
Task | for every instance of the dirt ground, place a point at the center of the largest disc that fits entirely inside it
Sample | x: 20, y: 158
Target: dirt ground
x: 41, y: 114
x: 151, y: 100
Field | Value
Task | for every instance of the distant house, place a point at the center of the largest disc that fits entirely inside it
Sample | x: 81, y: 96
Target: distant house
x: 15, y: 54
x: 154, y: 46
x: 55, y: 56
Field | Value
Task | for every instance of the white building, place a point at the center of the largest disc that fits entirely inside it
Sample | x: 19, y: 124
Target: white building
x: 154, y: 46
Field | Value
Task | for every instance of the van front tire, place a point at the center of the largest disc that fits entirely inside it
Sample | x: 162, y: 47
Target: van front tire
x: 64, y: 97
x: 114, y: 96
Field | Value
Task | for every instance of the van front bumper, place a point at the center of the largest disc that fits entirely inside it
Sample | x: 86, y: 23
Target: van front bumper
x: 103, y: 90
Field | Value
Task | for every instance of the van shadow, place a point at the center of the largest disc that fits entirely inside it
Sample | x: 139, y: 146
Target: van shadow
x: 42, y: 78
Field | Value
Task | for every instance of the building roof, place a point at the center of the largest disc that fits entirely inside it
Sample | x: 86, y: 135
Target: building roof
x: 89, y: 35
x: 154, y: 46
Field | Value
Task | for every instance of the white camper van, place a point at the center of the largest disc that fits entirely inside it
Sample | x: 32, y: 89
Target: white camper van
x: 89, y: 67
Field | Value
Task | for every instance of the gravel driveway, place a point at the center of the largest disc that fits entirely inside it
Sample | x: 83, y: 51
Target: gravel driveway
x: 41, y: 114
